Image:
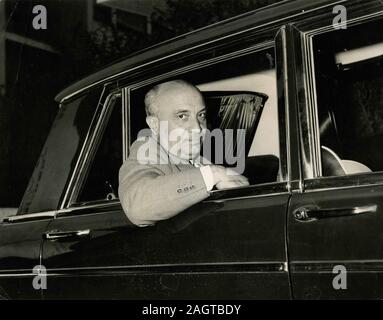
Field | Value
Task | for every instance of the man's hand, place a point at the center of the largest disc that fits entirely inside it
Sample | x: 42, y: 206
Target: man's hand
x: 225, y: 178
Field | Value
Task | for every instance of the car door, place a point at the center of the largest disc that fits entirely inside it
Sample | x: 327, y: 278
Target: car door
x: 20, y: 244
x: 335, y: 222
x: 216, y: 249
x: 232, y: 245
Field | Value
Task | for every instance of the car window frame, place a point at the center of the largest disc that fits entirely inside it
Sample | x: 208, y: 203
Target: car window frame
x: 90, y: 147
x: 304, y: 32
x: 272, y: 188
x: 125, y: 86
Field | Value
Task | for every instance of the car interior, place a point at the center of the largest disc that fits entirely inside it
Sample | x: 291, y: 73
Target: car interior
x: 241, y: 110
x: 349, y: 83
x: 235, y: 110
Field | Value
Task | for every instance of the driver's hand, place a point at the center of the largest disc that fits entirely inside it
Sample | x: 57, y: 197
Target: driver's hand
x: 225, y: 178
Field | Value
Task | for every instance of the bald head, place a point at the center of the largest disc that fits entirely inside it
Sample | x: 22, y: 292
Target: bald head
x: 179, y: 107
x: 167, y: 89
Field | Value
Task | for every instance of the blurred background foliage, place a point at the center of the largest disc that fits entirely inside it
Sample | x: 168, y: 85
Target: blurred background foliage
x: 108, y: 42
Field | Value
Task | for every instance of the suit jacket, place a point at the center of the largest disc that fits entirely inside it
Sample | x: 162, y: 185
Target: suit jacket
x: 154, y: 186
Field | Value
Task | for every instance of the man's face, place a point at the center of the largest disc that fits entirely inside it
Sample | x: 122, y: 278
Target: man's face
x: 182, y: 110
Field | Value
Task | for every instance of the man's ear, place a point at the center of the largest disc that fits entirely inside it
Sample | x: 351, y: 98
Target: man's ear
x: 153, y: 124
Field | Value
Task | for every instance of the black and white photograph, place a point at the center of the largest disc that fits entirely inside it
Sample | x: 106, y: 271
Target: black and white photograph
x: 184, y: 150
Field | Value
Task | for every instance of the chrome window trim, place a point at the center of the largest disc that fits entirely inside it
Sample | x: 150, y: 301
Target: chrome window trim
x: 310, y: 99
x: 56, y: 214
x: 125, y: 123
x: 358, y: 180
x: 287, y: 109
x: 261, y: 195
x: 350, y: 185
x: 205, y: 63
x: 85, y: 143
x: 68, y: 212
x: 63, y: 213
x: 83, y: 158
x: 310, y: 83
x: 293, y: 174
x: 91, y: 204
x: 350, y: 23
x: 29, y: 217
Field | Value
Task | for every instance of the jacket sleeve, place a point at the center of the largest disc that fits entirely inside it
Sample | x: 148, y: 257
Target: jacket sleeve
x: 148, y: 195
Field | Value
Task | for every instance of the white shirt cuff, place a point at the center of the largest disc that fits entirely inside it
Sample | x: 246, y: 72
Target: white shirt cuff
x: 208, y: 178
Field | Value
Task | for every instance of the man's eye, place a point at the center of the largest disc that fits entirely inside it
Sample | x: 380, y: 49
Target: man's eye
x: 183, y: 116
x: 202, y: 116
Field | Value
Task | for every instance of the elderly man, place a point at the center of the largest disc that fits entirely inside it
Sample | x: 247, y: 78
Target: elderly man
x: 163, y: 183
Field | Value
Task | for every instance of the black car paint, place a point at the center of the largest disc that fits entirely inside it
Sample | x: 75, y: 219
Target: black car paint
x: 182, y: 257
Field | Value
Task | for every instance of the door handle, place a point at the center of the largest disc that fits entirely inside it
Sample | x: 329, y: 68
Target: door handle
x: 311, y: 214
x: 59, y: 235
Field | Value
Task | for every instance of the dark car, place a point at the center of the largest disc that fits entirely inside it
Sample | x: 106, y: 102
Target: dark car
x: 305, y: 81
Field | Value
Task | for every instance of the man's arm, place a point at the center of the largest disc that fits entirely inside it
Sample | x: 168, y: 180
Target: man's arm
x: 148, y: 195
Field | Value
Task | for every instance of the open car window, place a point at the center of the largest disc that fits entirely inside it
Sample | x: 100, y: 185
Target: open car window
x: 240, y: 94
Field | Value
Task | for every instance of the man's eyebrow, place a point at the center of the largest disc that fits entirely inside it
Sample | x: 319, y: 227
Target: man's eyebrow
x: 188, y: 111
x: 182, y: 111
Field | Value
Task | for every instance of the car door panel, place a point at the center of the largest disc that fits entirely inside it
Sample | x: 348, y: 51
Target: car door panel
x: 220, y: 248
x: 20, y: 245
x: 352, y: 240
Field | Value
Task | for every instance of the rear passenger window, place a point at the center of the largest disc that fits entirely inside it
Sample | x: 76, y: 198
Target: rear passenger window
x: 101, y: 179
x: 349, y: 91
x: 239, y: 93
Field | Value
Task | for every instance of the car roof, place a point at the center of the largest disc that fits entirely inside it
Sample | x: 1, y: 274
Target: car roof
x: 185, y: 42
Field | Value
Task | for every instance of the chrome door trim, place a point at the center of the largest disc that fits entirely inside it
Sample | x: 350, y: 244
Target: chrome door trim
x: 344, y: 182
x: 223, y: 267
x: 194, y: 268
x: 327, y: 266
x: 29, y: 217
